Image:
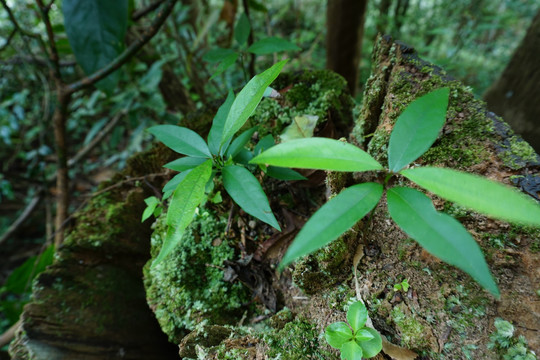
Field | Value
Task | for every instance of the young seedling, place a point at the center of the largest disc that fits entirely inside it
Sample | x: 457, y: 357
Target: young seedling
x: 219, y: 154
x: 404, y: 285
x: 354, y: 340
x: 415, y: 131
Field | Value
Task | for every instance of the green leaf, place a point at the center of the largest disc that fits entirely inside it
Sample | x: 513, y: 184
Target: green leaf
x: 477, y: 193
x: 264, y: 144
x: 182, y: 140
x: 96, y: 30
x: 225, y: 64
x: 337, y: 334
x: 151, y: 203
x: 439, y: 233
x: 362, y: 335
x: 20, y: 279
x: 318, y: 153
x: 248, y: 99
x: 184, y: 163
x: 281, y: 173
x: 242, y: 29
x: 351, y: 351
x: 301, y: 127
x: 333, y: 219
x: 371, y: 347
x: 417, y: 128
x: 271, y: 45
x: 187, y: 196
x: 357, y: 315
x: 217, y: 55
x: 239, y: 143
x: 214, y: 136
x: 173, y: 183
x: 245, y: 190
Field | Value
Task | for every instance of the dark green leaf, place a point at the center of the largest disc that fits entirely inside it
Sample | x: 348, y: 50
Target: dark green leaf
x: 243, y: 157
x: 214, y: 136
x: 186, y: 198
x: 257, y: 6
x: 271, y: 45
x: 96, y: 30
x: 239, y: 143
x: 182, y: 140
x: 248, y: 99
x: 217, y: 55
x: 439, y: 233
x: 333, y: 219
x: 20, y: 280
x: 417, y: 128
x: 371, y: 347
x: 284, y: 173
x: 225, y: 64
x: 242, y: 29
x: 337, y: 334
x: 357, y: 315
x: 318, y: 153
x: 477, y: 193
x: 185, y: 163
x: 351, y: 351
x: 245, y: 190
x: 264, y: 144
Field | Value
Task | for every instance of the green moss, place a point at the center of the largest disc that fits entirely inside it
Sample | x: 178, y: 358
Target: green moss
x: 517, y: 153
x: 411, y: 331
x: 508, y: 346
x: 188, y: 287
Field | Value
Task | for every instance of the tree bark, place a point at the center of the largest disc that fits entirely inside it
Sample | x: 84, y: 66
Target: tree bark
x: 345, y: 23
x: 514, y: 96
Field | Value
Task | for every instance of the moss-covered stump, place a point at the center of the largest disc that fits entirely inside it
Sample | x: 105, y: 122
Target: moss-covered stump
x: 90, y: 304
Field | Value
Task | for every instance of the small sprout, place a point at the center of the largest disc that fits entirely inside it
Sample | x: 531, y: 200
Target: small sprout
x: 404, y: 285
x: 353, y: 339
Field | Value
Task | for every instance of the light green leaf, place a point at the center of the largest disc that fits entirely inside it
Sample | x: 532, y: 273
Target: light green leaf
x: 217, y: 55
x: 333, y: 219
x: 181, y: 139
x: 96, y: 30
x: 173, y: 183
x: 301, y: 127
x: 351, y: 351
x: 417, y: 128
x: 187, y: 196
x: 357, y: 315
x: 337, y: 334
x: 271, y: 45
x: 214, y: 136
x: 439, y: 233
x: 245, y: 190
x: 225, y: 64
x: 184, y: 163
x: 371, y: 347
x: 281, y: 173
x: 151, y: 203
x: 318, y: 153
x: 362, y: 335
x: 239, y: 143
x: 248, y: 99
x: 477, y: 193
x: 242, y: 29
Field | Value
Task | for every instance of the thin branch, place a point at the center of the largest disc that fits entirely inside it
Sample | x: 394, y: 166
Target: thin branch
x: 22, y: 218
x: 10, y: 37
x: 52, y: 42
x: 128, y: 53
x: 6, y: 337
x: 145, y: 11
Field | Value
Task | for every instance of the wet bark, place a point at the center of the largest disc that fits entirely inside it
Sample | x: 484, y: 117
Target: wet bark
x: 514, y: 96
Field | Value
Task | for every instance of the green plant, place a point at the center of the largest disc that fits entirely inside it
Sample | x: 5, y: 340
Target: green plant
x: 353, y: 339
x: 414, y: 132
x: 510, y: 347
x: 220, y: 154
x: 227, y: 57
x: 404, y: 285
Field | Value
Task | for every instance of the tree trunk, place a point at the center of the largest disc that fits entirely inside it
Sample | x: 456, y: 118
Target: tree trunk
x: 345, y: 28
x: 515, y: 96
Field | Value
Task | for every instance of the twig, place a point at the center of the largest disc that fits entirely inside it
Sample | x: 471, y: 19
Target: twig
x: 52, y: 43
x: 22, y: 218
x: 8, y: 40
x: 144, y: 11
x: 127, y: 54
x: 6, y: 337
